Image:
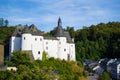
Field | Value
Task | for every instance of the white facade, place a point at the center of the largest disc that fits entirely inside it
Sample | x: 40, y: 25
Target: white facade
x: 58, y: 48
x: 15, y: 43
x: 29, y: 39
x: 118, y: 71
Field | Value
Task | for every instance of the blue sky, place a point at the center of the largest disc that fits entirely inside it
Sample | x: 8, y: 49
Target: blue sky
x: 45, y: 13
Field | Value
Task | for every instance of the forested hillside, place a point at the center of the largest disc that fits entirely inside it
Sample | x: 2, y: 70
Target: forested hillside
x: 94, y: 42
x: 5, y: 33
x: 98, y: 41
x: 47, y: 69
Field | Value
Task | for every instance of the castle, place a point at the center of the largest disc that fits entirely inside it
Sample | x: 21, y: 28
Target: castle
x: 29, y: 38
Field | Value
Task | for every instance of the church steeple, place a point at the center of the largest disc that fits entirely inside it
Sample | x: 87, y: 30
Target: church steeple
x: 59, y: 22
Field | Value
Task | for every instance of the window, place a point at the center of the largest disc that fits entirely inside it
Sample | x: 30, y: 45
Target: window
x: 38, y: 52
x: 46, y: 42
x: 12, y: 69
x: 64, y: 49
x: 35, y: 39
x: 71, y: 45
x: 19, y: 30
x: 40, y: 39
x: 59, y: 42
x: 46, y: 48
x: 24, y: 38
x: 68, y: 57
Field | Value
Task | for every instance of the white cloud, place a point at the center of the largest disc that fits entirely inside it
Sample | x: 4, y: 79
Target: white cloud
x: 46, y: 12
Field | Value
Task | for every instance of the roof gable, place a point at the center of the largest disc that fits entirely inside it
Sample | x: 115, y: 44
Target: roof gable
x: 26, y: 29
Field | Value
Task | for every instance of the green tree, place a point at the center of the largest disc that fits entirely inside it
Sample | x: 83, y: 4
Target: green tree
x: 44, y: 56
x: 1, y: 22
x: 105, y: 76
x: 6, y: 23
x: 71, y: 31
x: 18, y: 57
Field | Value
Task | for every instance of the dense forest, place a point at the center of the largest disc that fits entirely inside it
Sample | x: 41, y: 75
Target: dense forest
x: 98, y: 41
x: 5, y: 34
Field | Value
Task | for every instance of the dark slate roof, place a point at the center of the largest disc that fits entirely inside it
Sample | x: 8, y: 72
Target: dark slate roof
x: 26, y: 29
x: 50, y: 38
x: 67, y: 35
x: 18, y: 31
x: 59, y: 22
x: 59, y: 32
x: 33, y: 30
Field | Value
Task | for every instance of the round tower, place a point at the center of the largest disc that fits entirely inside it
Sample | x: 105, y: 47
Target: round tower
x: 26, y: 41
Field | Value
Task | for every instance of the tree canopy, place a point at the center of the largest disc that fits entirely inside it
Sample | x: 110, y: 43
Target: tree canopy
x: 3, y: 22
x: 98, y: 41
x: 49, y: 69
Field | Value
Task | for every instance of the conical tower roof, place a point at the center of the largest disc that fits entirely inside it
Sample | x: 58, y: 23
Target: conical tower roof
x: 59, y: 32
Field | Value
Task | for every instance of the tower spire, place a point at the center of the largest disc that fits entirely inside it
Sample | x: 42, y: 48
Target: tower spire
x: 59, y: 22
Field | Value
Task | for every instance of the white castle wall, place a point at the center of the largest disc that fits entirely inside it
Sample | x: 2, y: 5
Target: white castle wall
x: 51, y: 48
x: 62, y: 48
x: 26, y: 41
x: 118, y: 71
x: 34, y: 44
x: 15, y: 43
x: 72, y: 51
x: 37, y: 44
